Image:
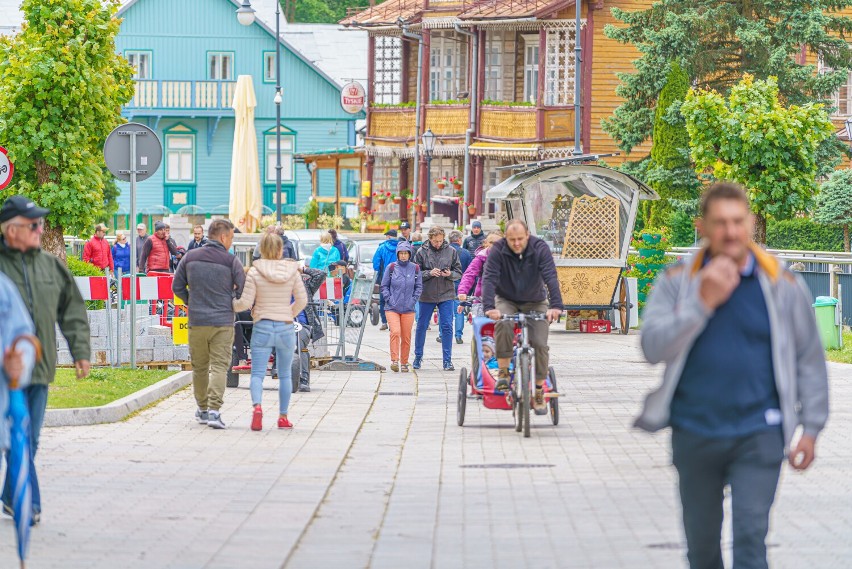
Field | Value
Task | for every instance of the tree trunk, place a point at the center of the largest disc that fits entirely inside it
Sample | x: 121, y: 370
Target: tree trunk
x: 53, y: 242
x: 846, y: 237
x: 760, y: 228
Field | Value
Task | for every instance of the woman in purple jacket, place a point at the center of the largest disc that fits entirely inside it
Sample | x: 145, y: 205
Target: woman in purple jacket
x: 473, y: 274
x: 402, y: 284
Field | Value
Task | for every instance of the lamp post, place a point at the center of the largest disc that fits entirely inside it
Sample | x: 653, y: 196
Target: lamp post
x: 428, y: 146
x: 246, y: 16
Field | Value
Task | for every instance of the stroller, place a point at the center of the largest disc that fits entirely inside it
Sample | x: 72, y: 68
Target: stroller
x: 481, y: 380
x: 241, y: 351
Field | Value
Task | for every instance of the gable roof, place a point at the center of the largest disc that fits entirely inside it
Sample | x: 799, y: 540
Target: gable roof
x: 340, y: 53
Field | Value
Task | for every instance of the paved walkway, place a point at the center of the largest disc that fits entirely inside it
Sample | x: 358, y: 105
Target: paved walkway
x: 377, y: 474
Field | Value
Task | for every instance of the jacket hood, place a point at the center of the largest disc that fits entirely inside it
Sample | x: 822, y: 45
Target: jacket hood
x: 275, y: 271
x: 405, y: 246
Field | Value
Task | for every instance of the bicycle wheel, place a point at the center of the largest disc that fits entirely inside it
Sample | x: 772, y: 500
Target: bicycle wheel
x: 553, y: 403
x: 461, y: 401
x: 525, y: 391
x: 516, y: 413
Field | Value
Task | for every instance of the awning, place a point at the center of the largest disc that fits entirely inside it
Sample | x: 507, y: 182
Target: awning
x: 504, y: 150
x: 598, y: 181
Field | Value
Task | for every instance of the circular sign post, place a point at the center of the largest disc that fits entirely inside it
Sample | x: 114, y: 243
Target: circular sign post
x: 353, y: 97
x: 133, y: 153
x: 7, y: 169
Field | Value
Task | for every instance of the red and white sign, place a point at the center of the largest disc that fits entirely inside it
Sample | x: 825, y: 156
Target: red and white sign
x: 331, y: 289
x: 353, y: 97
x: 147, y: 288
x: 6, y: 169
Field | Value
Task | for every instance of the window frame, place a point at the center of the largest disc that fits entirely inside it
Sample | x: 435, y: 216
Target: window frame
x: 269, y: 156
x: 271, y: 78
x: 138, y: 52
x: 448, y: 65
x: 211, y: 54
x: 387, y: 60
x: 180, y: 130
x: 530, y: 88
x: 835, y: 98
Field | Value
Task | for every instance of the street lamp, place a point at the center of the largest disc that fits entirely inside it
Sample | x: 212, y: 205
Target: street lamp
x: 246, y: 15
x: 428, y: 138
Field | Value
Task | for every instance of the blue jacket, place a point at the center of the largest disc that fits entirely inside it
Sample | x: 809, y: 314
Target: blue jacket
x: 14, y: 321
x: 402, y: 285
x: 384, y: 256
x: 465, y: 258
x: 322, y: 258
x: 121, y: 257
x: 341, y: 248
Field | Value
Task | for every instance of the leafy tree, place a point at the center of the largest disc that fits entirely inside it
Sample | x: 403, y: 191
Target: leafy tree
x: 62, y: 86
x: 834, y: 203
x: 751, y: 138
x: 719, y: 42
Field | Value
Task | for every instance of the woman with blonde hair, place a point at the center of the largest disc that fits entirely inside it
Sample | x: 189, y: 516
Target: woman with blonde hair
x: 275, y: 293
x: 325, y: 255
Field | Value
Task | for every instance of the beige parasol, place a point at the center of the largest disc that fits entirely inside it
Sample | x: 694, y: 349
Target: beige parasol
x: 246, y: 201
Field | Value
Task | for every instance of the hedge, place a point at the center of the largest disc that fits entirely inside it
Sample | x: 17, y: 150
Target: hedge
x: 804, y: 235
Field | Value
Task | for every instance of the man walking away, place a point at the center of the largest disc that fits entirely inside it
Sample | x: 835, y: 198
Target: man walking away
x: 520, y: 276
x: 440, y: 269
x: 475, y: 239
x: 385, y: 255
x: 464, y: 258
x: 207, y: 279
x: 339, y: 245
x: 97, y: 250
x: 198, y: 238
x: 744, y: 369
x: 141, y: 237
x: 51, y: 297
x: 157, y: 251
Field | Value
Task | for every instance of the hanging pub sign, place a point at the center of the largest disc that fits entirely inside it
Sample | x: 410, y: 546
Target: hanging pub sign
x: 6, y: 169
x: 353, y: 97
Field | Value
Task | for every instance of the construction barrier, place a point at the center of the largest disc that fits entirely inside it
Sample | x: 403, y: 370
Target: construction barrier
x: 147, y: 288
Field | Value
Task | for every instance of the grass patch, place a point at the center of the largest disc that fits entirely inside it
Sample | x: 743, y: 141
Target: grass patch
x: 104, y: 385
x: 843, y: 355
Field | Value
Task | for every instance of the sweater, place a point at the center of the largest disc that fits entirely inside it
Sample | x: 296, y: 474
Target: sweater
x: 528, y: 277
x: 207, y: 279
x: 270, y: 286
x: 97, y: 252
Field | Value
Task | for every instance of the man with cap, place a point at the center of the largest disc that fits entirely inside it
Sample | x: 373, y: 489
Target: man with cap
x: 51, y: 297
x: 475, y: 239
x: 157, y: 251
x: 385, y: 255
x: 141, y: 237
x: 405, y: 230
x: 97, y: 251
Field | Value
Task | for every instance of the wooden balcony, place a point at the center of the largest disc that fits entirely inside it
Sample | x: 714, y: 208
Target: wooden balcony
x: 209, y: 98
x: 392, y: 124
x: 447, y: 121
x: 526, y: 124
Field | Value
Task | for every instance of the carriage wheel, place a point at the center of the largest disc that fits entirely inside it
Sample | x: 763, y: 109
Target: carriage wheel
x: 233, y: 379
x: 461, y: 401
x: 553, y: 403
x: 374, y: 314
x: 295, y: 372
x: 624, y: 306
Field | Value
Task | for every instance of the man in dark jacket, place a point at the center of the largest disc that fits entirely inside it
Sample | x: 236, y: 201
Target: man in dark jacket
x: 441, y: 269
x: 339, y: 245
x: 475, y: 239
x: 198, y: 238
x: 207, y: 280
x: 405, y: 231
x: 520, y: 276
x: 464, y: 258
x: 141, y: 237
x: 157, y: 251
x: 51, y: 297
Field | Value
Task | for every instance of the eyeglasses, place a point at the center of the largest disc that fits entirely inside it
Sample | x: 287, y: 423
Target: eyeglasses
x: 34, y: 226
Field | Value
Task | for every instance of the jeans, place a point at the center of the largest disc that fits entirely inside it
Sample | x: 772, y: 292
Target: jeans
x: 751, y: 465
x: 269, y: 334
x: 36, y: 396
x: 382, y: 309
x: 445, y: 324
x: 459, y: 319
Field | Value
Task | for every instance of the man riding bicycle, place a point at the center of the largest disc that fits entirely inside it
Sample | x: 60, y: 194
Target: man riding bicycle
x: 518, y: 270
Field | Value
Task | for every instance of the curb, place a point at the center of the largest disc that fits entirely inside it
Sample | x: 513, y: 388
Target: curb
x: 119, y: 409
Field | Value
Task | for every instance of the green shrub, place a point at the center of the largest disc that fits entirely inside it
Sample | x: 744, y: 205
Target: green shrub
x: 80, y: 268
x: 803, y: 234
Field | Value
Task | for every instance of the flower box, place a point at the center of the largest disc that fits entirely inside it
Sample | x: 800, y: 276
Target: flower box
x: 651, y: 253
x: 595, y: 326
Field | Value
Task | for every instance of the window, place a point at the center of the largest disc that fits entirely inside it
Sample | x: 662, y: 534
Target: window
x: 447, y: 66
x: 444, y: 167
x: 559, y: 66
x: 269, y: 67
x: 530, y: 68
x: 220, y: 66
x: 388, y: 70
x: 842, y: 99
x: 141, y: 63
x: 180, y: 158
x: 386, y: 175
x: 287, y: 147
x: 499, y: 64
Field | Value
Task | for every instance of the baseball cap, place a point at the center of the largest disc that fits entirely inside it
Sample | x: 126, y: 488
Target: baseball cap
x: 476, y: 223
x: 101, y: 227
x: 159, y: 225
x: 141, y: 226
x: 391, y: 232
x: 23, y: 206
x: 405, y: 225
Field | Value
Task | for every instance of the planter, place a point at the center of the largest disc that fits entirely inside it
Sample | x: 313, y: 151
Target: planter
x: 382, y: 201
x: 471, y: 210
x: 397, y: 200
x: 364, y: 209
x: 652, y: 238
x: 423, y: 207
x: 653, y: 267
x: 641, y: 284
x: 457, y: 186
x: 651, y: 253
x: 642, y: 296
x: 441, y: 186
x: 376, y: 228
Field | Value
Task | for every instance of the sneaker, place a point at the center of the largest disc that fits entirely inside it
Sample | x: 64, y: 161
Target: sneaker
x: 404, y: 368
x: 201, y: 416
x: 256, y: 418
x: 394, y: 366
x: 438, y: 339
x: 458, y: 339
x: 36, y: 519
x: 214, y: 420
x: 304, y: 387
x: 539, y: 403
x: 383, y: 327
x: 7, y: 509
x: 418, y: 360
x: 448, y: 366
x: 502, y: 380
x: 284, y: 423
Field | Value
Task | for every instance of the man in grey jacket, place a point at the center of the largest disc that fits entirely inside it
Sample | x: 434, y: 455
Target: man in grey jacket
x: 744, y: 370
x: 207, y: 280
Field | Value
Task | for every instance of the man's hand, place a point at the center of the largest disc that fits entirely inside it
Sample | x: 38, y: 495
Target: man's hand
x: 83, y: 368
x: 718, y: 280
x: 803, y: 455
x: 553, y: 314
x: 13, y: 363
x: 493, y: 314
x: 435, y: 272
x: 446, y: 273
x: 462, y: 297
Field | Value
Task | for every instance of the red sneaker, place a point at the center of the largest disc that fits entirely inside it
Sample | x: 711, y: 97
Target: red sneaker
x: 284, y: 423
x: 257, y: 419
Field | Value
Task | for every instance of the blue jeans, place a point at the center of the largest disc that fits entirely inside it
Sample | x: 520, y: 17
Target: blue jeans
x: 382, y: 309
x: 459, y: 319
x: 36, y: 396
x: 266, y: 335
x: 445, y: 324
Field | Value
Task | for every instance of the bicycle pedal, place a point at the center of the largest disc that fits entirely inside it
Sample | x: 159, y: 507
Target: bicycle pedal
x: 551, y: 394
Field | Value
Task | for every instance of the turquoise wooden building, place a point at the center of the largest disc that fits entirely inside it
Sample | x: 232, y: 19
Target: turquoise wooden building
x: 188, y: 55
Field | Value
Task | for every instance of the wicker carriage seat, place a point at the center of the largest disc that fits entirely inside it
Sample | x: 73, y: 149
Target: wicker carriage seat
x: 593, y: 229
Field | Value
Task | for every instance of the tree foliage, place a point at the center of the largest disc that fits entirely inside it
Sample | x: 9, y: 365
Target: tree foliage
x: 324, y: 11
x: 719, y: 42
x: 834, y: 202
x: 803, y: 234
x: 752, y: 139
x: 62, y: 86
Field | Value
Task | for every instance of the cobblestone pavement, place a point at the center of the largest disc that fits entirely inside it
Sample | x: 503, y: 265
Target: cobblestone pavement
x: 377, y: 474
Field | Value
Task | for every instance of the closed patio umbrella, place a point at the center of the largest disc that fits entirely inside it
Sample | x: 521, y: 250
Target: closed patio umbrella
x: 245, y: 204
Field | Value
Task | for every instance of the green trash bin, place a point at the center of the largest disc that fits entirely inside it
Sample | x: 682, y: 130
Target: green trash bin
x: 825, y: 308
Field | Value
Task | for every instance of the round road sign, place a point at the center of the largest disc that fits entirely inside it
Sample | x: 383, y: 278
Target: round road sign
x: 149, y: 151
x: 7, y: 169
